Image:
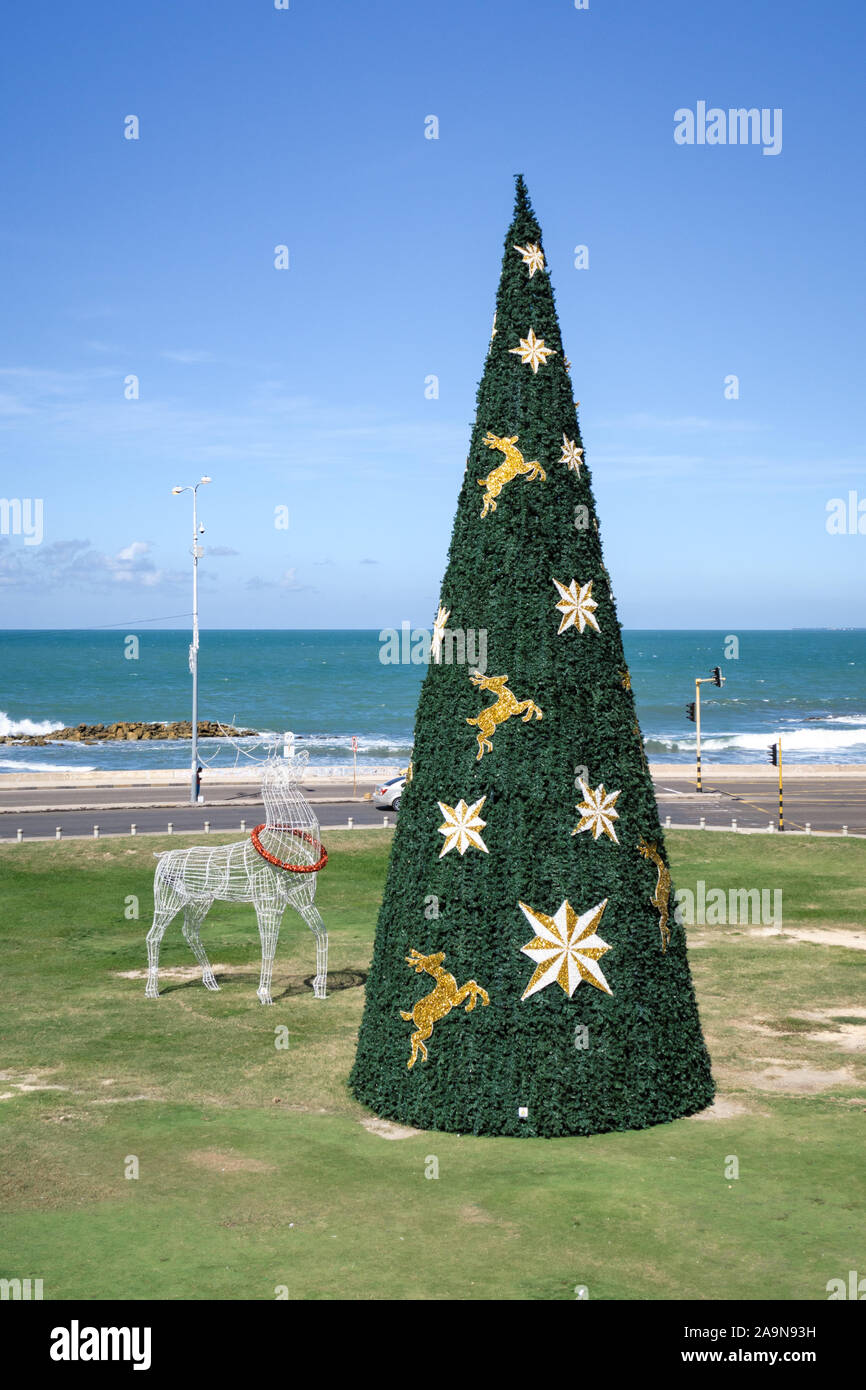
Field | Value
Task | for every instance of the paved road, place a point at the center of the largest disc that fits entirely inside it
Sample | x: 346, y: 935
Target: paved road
x: 218, y: 794
x: 184, y: 819
x: 825, y: 803
x: 822, y: 802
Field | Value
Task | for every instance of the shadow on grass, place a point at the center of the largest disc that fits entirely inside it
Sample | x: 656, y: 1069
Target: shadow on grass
x: 297, y: 984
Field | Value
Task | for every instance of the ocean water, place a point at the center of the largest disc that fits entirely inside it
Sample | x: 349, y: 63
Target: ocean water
x: 808, y: 686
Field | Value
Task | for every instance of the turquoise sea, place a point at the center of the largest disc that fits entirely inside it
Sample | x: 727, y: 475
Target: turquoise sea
x: 808, y: 686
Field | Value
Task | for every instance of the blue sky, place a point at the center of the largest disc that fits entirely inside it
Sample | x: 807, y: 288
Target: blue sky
x: 305, y: 387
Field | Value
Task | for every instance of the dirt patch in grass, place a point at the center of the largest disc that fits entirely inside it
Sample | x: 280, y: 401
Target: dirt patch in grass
x: 124, y: 1100
x: 288, y: 985
x: 181, y: 972
x: 792, y: 1024
x: 800, y: 1079
x: 386, y: 1130
x: 847, y: 1032
x: 726, y: 1108
x: 476, y: 1216
x: 218, y: 1161
x: 16, y: 1083
x: 818, y: 936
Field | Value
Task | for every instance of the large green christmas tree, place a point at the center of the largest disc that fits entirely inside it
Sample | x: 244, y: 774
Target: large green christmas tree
x: 528, y: 976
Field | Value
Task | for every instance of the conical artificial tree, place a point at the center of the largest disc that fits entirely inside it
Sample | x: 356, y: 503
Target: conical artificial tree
x: 529, y: 976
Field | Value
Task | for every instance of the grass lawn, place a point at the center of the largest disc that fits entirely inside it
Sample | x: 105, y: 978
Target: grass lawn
x: 257, y: 1169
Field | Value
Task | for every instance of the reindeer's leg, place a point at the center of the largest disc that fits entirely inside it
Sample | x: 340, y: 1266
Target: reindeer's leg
x: 477, y: 993
x: 312, y: 917
x: 418, y: 1045
x: 471, y: 990
x: 166, y: 906
x: 193, y: 916
x: 270, y: 915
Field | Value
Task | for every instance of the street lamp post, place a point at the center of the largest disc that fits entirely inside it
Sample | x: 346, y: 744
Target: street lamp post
x: 197, y: 552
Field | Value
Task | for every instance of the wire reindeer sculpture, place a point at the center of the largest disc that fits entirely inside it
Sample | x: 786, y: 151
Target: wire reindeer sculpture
x: 274, y: 868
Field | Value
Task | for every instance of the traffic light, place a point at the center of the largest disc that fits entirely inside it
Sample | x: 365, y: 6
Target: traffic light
x: 718, y: 678
x: 773, y: 754
x: 690, y: 711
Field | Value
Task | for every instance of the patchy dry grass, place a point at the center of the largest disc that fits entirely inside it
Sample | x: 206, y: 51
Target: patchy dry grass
x: 257, y: 1168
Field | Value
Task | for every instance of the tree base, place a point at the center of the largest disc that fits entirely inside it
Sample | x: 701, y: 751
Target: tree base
x: 503, y: 1119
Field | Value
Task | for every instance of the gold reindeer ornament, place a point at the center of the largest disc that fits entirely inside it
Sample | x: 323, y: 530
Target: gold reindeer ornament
x: 439, y: 1002
x: 513, y: 466
x: 662, y: 894
x: 506, y: 705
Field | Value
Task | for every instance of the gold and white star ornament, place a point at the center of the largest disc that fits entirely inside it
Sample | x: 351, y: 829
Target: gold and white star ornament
x: 566, y: 949
x: 571, y: 454
x: 576, y: 605
x: 532, y: 351
x: 439, y: 626
x: 597, y: 811
x: 532, y: 257
x: 462, y: 826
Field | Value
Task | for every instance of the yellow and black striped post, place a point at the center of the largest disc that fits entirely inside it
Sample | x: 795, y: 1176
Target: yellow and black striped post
x: 781, y: 808
x: 698, y: 731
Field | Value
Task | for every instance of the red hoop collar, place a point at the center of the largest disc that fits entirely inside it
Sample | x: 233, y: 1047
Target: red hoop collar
x: 280, y: 863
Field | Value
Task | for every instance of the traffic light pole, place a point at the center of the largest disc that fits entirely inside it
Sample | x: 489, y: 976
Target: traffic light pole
x: 694, y: 712
x: 781, y: 809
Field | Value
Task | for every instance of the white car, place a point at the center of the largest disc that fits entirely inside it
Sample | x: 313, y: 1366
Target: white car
x: 387, y: 797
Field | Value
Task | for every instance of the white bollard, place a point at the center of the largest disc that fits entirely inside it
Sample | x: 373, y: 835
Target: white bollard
x: 351, y: 823
x: 733, y: 825
x: 667, y: 822
x: 96, y: 832
x: 207, y: 827
x: 770, y: 828
x: 20, y: 835
x: 132, y: 829
x: 386, y: 821
x: 170, y: 828
x: 57, y: 832
x: 243, y: 826
x: 703, y: 823
x: 844, y: 830
x: 808, y: 828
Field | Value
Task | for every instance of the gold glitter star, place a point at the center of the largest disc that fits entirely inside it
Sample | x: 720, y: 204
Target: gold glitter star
x: 571, y: 455
x: 532, y: 352
x: 532, y: 257
x: 625, y: 677
x: 566, y: 949
x: 439, y: 632
x: 597, y: 812
x: 462, y: 826
x: 576, y: 606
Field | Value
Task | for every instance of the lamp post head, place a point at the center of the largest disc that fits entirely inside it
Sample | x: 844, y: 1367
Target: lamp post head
x: 206, y: 479
x: 176, y: 490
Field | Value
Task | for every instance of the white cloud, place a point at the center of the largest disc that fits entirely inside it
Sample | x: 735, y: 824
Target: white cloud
x: 77, y: 564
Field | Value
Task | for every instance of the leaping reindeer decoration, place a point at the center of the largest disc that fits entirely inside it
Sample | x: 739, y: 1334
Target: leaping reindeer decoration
x: 275, y: 867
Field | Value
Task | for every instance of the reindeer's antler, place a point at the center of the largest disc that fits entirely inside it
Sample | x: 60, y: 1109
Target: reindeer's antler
x: 237, y: 747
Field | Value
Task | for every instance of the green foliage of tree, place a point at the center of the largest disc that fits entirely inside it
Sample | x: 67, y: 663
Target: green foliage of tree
x: 593, y: 1061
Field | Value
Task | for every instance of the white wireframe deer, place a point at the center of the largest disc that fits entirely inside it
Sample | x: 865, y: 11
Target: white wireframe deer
x: 192, y: 878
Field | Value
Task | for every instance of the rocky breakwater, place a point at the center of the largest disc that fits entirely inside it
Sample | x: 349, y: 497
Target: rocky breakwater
x: 128, y: 731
